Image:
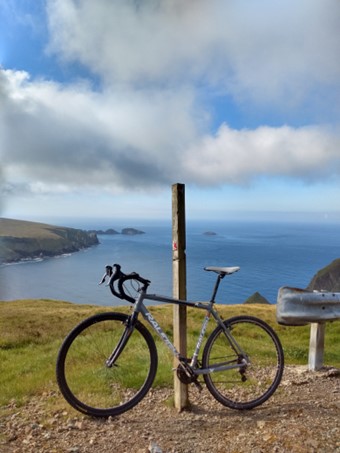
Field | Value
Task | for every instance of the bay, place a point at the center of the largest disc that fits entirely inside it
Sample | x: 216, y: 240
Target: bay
x: 270, y: 254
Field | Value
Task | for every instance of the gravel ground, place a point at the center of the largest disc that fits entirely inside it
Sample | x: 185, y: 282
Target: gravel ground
x: 302, y: 416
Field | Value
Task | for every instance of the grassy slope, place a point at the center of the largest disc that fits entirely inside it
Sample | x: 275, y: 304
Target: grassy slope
x: 25, y: 229
x: 31, y: 332
x: 22, y: 239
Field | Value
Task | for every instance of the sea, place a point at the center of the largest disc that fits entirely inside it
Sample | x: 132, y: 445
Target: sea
x: 270, y: 254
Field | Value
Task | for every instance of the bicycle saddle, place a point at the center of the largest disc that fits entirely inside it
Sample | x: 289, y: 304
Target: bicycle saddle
x: 222, y: 270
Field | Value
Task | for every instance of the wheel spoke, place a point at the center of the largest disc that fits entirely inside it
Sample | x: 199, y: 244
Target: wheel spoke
x: 84, y: 378
x: 251, y: 385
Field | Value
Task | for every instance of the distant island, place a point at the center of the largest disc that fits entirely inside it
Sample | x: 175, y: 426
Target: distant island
x: 111, y: 231
x: 23, y: 240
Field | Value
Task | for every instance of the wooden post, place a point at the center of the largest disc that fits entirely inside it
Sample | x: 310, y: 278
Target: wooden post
x: 179, y: 286
x: 316, y: 346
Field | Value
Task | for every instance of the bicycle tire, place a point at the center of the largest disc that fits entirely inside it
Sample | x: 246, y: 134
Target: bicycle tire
x: 251, y: 386
x: 88, y: 384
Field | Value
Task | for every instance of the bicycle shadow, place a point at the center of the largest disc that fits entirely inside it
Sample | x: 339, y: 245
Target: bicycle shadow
x: 267, y: 411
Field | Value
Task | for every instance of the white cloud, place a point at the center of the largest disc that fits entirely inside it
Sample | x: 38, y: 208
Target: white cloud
x: 53, y: 133
x: 264, y: 51
x: 236, y: 157
x: 72, y: 137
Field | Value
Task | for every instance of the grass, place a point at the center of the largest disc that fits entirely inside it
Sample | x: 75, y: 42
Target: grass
x: 31, y: 332
x: 26, y: 229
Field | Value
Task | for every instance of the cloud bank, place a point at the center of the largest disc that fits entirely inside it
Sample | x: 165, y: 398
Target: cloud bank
x: 145, y: 125
x: 77, y: 138
x: 264, y: 51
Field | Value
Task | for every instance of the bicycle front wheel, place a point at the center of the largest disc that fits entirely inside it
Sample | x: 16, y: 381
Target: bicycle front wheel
x: 84, y: 378
x: 249, y: 385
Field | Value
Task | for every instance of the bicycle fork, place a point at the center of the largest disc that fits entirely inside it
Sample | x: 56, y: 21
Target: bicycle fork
x: 130, y: 325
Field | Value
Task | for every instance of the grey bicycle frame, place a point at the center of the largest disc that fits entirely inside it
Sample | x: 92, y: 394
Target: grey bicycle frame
x: 139, y: 307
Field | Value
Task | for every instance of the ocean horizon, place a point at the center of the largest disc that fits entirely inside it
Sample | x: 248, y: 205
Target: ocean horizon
x: 270, y: 254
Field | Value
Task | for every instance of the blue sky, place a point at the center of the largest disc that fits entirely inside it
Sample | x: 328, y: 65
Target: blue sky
x: 104, y: 105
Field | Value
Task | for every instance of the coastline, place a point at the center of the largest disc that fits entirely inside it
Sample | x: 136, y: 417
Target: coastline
x: 22, y: 240
x: 270, y: 256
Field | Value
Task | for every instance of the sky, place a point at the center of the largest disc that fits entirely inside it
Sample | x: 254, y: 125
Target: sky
x: 104, y: 105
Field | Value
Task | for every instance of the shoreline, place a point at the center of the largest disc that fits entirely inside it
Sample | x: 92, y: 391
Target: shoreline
x: 43, y: 257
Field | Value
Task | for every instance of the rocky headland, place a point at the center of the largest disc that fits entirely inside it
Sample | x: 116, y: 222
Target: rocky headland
x: 327, y: 278
x: 20, y: 240
x: 111, y: 231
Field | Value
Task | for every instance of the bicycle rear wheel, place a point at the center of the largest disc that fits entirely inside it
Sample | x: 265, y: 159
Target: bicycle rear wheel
x: 251, y: 385
x: 88, y: 384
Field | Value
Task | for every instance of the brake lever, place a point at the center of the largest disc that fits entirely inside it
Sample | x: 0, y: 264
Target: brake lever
x: 108, y: 273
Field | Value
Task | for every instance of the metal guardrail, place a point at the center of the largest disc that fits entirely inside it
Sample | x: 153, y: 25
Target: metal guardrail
x: 299, y: 307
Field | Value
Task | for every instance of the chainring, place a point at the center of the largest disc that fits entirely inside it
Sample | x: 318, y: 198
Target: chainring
x: 183, y: 377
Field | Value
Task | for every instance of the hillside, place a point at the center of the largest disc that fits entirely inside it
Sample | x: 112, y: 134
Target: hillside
x: 28, y: 240
x: 327, y: 279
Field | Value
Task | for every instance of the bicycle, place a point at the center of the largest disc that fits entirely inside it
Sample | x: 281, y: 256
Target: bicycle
x: 107, y: 363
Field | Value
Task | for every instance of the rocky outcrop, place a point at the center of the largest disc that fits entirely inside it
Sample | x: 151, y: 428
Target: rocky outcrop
x: 256, y: 298
x: 111, y: 231
x: 327, y: 279
x: 21, y: 240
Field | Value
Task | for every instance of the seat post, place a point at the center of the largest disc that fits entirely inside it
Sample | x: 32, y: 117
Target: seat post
x: 217, y: 284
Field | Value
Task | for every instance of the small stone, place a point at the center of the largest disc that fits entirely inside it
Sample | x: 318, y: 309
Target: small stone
x: 154, y: 448
x: 79, y: 425
x: 12, y: 438
x: 261, y: 424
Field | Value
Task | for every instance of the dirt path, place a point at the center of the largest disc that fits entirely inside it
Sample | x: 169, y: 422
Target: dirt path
x: 303, y: 416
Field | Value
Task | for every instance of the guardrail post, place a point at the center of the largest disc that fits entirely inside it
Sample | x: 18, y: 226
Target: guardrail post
x: 179, y: 286
x: 316, y: 345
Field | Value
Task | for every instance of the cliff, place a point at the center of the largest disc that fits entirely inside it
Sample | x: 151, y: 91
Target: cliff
x: 327, y: 279
x: 27, y: 240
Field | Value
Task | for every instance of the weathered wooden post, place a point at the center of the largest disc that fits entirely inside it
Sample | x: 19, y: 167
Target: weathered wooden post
x: 316, y: 345
x: 179, y: 286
